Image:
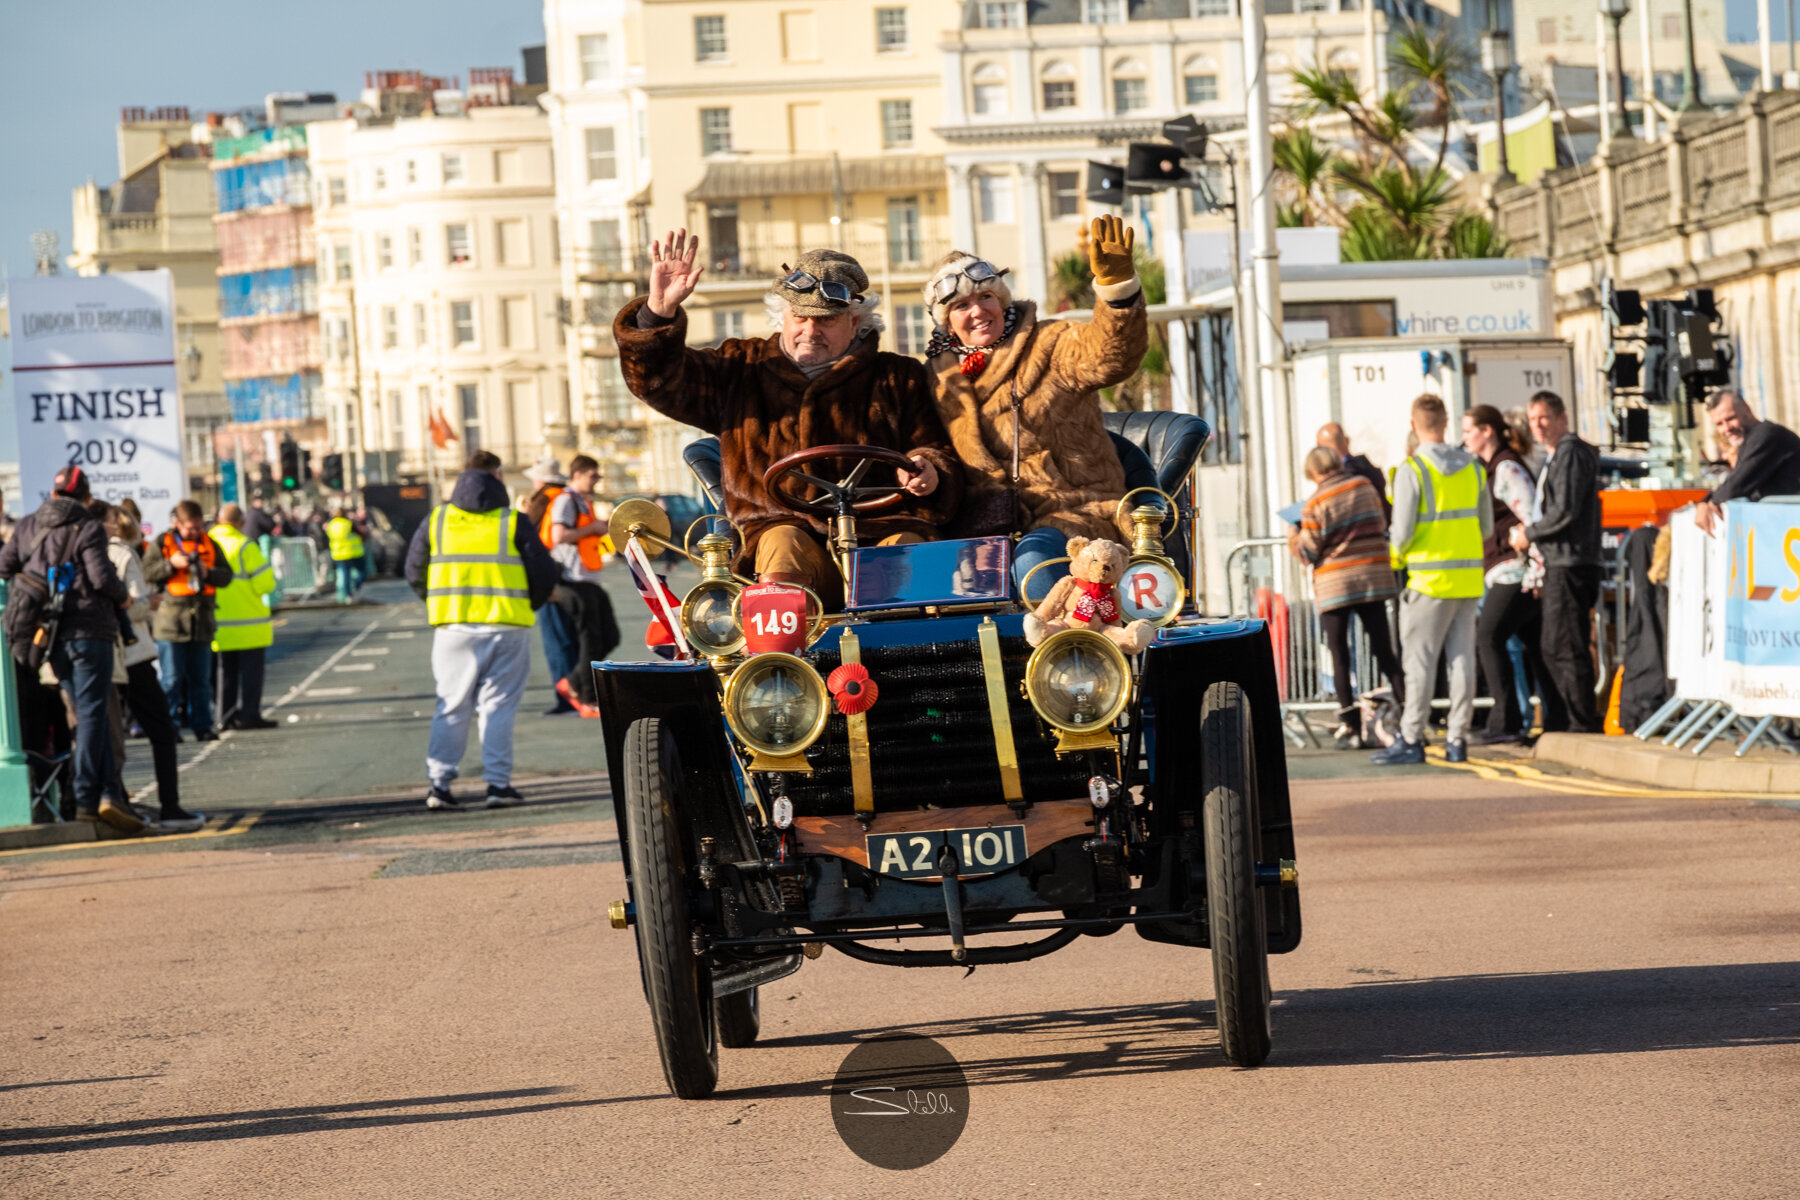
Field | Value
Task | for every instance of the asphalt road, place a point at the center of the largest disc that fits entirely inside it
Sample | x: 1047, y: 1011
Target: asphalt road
x: 1511, y: 984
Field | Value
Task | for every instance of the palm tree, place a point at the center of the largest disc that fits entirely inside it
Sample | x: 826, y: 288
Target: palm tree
x: 1308, y: 165
x: 1435, y: 64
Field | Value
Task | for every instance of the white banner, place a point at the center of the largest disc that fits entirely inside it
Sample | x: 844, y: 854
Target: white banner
x: 1734, y: 609
x: 94, y: 384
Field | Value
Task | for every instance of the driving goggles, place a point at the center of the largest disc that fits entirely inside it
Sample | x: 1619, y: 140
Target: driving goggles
x: 806, y: 281
x: 979, y: 271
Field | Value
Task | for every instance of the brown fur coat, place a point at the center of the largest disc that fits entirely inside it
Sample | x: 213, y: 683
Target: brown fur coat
x: 1070, y: 478
x: 763, y: 408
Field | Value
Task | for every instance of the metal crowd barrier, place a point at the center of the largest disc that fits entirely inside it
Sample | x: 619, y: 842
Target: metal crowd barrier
x: 298, y: 568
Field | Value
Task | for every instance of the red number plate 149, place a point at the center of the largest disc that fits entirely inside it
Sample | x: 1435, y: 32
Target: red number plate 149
x: 774, y: 618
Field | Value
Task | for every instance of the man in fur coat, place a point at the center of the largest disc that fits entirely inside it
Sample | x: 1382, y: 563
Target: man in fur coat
x: 818, y: 381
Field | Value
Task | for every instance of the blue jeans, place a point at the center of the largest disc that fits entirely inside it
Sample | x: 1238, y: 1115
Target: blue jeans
x: 349, y: 577
x: 84, y: 666
x: 1035, y: 547
x: 187, y: 682
x: 559, y: 644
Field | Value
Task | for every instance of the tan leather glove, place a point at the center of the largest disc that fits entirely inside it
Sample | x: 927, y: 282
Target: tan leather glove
x: 1109, y: 251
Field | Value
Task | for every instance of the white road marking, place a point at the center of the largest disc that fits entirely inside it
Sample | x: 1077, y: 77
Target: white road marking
x: 400, y: 633
x: 334, y: 691
x: 353, y: 667
x: 297, y: 690
x: 370, y: 650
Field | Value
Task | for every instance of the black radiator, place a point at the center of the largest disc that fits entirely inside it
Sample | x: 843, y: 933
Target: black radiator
x: 931, y: 739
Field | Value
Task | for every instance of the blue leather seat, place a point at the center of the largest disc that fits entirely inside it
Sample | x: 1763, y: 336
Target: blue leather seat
x: 702, y: 458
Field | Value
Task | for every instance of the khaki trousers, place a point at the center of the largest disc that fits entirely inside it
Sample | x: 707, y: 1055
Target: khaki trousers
x: 791, y: 554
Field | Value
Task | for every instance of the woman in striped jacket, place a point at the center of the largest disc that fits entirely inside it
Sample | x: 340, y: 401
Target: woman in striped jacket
x: 1343, y: 537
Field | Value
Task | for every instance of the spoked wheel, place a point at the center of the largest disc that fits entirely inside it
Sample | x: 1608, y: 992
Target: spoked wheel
x: 738, y: 1018
x: 676, y: 980
x: 1240, y: 950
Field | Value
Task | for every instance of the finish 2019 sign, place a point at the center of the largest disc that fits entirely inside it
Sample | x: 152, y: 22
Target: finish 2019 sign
x: 94, y: 384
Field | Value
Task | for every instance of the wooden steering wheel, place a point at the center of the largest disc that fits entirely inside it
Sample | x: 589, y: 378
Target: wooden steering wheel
x: 847, y: 496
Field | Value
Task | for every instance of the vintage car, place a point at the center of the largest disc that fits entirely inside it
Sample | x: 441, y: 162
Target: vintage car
x: 997, y: 799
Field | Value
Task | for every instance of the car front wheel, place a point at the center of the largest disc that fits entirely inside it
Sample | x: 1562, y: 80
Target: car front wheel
x: 1234, y: 907
x: 676, y: 981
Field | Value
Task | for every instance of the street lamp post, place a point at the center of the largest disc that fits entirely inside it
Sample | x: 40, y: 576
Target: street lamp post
x: 1497, y: 60
x: 1690, y: 69
x: 887, y: 277
x: 1615, y: 11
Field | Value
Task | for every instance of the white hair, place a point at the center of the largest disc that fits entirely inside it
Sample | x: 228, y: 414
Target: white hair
x: 869, y: 320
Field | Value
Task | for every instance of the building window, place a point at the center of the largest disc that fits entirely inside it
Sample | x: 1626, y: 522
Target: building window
x: 1671, y: 27
x: 1065, y: 193
x: 912, y: 329
x: 1202, y: 89
x: 603, y: 238
x: 989, y: 90
x: 715, y: 131
x: 596, y: 59
x: 415, y: 248
x: 1222, y: 8
x: 906, y: 246
x: 709, y: 39
x: 468, y: 405
x: 456, y: 244
x: 995, y: 194
x: 390, y: 327
x: 1002, y: 14
x: 728, y: 323
x: 340, y: 259
x: 462, y: 323
x: 338, y: 192
x: 506, y: 166
x: 512, y: 248
x: 1130, y: 95
x: 722, y: 231
x: 421, y: 334
x: 1547, y: 31
x: 384, y: 251
x: 1103, y: 12
x: 453, y: 168
x: 396, y: 415
x: 412, y: 171
x: 896, y: 123
x: 890, y: 30
x: 1059, y: 93
x: 381, y: 179
x: 516, y: 325
x: 555, y: 238
x: 602, y: 163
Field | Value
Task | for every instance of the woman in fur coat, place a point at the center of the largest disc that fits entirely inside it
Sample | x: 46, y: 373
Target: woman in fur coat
x: 1005, y: 379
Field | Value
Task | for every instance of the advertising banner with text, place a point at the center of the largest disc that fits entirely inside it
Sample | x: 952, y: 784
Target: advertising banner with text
x: 1734, y: 609
x: 94, y: 383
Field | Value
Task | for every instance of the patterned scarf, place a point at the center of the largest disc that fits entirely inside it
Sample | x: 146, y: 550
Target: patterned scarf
x: 1097, y: 600
x: 973, y: 358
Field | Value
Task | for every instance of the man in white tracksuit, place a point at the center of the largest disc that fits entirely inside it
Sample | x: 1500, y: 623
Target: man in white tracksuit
x: 483, y: 571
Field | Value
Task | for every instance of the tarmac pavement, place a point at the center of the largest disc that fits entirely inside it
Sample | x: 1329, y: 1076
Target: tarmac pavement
x: 1512, y: 983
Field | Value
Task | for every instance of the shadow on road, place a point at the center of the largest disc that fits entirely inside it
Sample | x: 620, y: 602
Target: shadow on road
x: 273, y: 1122
x: 1387, y: 1022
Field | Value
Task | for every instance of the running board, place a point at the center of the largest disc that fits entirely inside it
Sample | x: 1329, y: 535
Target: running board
x: 741, y: 977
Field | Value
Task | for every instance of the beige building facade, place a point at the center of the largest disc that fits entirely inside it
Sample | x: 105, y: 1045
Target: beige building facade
x: 160, y: 214
x: 448, y: 313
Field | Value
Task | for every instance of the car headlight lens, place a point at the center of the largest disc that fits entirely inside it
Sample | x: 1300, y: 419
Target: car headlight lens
x: 708, y: 619
x: 776, y: 704
x: 1078, y: 680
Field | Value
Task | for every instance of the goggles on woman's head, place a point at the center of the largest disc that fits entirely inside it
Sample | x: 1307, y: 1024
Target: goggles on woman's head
x: 806, y: 281
x: 979, y: 271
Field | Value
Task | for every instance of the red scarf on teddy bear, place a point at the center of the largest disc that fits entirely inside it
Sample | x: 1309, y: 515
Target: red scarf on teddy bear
x: 1097, y: 599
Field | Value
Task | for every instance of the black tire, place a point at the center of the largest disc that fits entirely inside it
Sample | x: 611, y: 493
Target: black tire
x: 676, y: 980
x: 738, y: 1018
x: 1236, y: 925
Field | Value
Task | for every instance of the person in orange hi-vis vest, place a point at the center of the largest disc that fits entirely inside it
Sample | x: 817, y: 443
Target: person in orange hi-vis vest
x: 188, y: 568
x: 578, y: 541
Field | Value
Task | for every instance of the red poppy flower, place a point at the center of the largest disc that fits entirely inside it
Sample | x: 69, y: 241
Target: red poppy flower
x: 854, y: 690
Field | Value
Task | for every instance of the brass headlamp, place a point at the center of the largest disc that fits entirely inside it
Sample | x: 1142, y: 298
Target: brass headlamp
x: 709, y: 611
x: 1152, y: 588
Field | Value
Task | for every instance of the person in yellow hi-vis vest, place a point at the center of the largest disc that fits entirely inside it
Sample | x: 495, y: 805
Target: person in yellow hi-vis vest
x: 245, y: 628
x: 482, y: 572
x: 1442, y: 516
x: 346, y: 548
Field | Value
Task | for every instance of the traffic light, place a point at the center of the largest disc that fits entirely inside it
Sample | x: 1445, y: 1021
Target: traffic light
x: 331, y: 474
x: 306, y: 471
x: 290, y: 466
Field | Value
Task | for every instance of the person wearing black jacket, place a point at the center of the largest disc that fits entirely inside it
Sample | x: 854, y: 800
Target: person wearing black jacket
x: 1567, y: 535
x: 62, y: 531
x: 1768, y: 457
x: 481, y: 636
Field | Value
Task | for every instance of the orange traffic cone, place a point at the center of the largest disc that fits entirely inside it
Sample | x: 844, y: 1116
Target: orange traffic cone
x: 1612, y: 705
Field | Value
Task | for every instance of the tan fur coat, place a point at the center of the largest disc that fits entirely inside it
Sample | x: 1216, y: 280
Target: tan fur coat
x: 1069, y: 475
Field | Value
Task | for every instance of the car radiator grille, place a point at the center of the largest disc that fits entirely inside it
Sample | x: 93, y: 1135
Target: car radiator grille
x: 931, y: 738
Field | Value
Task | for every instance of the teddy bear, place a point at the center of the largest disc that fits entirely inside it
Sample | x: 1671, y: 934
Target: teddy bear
x: 1088, y: 598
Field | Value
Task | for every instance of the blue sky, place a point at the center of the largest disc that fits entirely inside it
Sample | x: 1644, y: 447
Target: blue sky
x: 67, y: 70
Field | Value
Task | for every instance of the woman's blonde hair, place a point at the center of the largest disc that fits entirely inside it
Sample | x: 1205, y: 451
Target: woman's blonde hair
x: 1320, y: 462
x: 122, y: 525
